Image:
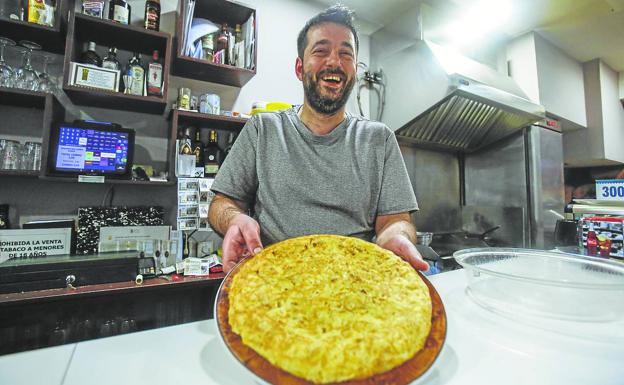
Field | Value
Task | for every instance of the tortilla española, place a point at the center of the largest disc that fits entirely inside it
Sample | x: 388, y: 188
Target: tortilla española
x: 328, y: 308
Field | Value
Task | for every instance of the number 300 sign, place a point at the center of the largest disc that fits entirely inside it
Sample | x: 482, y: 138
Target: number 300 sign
x: 610, y: 189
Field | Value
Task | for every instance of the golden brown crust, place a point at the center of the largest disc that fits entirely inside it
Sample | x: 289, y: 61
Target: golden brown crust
x: 328, y: 308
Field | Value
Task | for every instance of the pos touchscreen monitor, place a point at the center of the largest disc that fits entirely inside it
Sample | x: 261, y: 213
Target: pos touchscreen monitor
x: 91, y: 148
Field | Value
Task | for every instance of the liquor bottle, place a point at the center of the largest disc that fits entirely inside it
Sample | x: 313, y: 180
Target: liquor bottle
x: 90, y: 56
x: 228, y: 148
x: 152, y: 15
x: 212, y: 156
x: 186, y: 144
x: 110, y: 60
x: 198, y: 151
x: 154, y: 76
x: 208, y: 47
x: 136, y: 75
x: 222, y: 43
x: 238, y: 33
x: 119, y: 11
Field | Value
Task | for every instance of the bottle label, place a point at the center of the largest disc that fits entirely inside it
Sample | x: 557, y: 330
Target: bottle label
x: 151, y: 18
x: 137, y: 73
x: 154, y: 77
x: 211, y: 168
x: 120, y: 14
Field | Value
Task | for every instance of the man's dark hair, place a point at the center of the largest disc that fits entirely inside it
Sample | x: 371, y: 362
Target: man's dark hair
x: 338, y: 14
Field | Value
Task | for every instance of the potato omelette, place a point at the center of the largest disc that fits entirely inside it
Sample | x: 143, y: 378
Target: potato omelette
x: 328, y: 308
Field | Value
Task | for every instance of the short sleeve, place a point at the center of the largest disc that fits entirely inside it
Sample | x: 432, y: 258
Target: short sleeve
x: 397, y: 194
x: 238, y: 178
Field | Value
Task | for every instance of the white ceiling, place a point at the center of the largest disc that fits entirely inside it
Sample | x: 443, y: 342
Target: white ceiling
x: 584, y: 29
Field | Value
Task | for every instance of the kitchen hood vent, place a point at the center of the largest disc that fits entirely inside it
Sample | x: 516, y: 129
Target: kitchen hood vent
x: 457, y: 103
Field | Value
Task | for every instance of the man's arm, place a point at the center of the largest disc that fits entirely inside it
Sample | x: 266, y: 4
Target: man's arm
x: 240, y: 232
x: 222, y: 210
x: 395, y: 232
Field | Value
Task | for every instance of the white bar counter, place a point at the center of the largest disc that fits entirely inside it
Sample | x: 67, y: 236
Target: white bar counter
x: 481, y: 347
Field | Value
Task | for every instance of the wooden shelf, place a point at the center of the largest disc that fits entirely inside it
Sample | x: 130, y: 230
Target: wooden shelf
x: 20, y: 173
x: 218, y: 11
x: 83, y: 28
x: 115, y: 100
x: 51, y: 39
x: 22, y: 98
x: 217, y: 122
x: 192, y: 68
x: 71, y: 179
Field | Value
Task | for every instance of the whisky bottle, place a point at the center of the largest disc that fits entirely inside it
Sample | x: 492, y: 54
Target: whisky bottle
x: 90, y: 56
x: 212, y: 156
x: 154, y: 76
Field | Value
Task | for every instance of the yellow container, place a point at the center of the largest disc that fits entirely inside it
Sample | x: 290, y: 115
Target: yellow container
x: 272, y: 106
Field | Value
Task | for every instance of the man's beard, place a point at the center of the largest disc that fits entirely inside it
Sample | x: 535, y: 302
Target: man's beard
x: 325, y: 105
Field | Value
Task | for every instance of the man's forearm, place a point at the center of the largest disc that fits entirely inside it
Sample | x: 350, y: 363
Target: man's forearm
x: 222, y: 211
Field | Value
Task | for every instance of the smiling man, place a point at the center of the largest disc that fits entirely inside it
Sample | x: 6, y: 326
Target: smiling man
x: 316, y: 169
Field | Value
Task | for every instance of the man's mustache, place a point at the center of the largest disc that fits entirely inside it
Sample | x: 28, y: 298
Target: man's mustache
x: 330, y: 71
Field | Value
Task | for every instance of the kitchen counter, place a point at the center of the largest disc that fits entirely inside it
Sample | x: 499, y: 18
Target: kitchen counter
x: 482, y: 348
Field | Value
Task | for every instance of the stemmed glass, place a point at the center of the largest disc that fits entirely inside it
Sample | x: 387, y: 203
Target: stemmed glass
x: 6, y: 72
x: 27, y: 78
x: 46, y: 84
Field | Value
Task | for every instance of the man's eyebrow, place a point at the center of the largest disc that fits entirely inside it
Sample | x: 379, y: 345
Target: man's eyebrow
x: 321, y: 42
x: 348, y: 45
x: 327, y: 42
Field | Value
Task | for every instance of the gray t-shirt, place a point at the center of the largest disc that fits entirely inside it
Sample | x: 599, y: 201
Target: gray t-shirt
x: 299, y: 183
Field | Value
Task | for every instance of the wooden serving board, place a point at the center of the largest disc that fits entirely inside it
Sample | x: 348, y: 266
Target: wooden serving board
x: 400, y: 375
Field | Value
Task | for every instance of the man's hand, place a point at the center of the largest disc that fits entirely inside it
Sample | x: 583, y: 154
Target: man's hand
x: 241, y: 240
x: 404, y: 248
x: 396, y: 233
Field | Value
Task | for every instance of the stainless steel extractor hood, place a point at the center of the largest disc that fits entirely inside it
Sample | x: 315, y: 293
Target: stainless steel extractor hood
x: 453, y: 102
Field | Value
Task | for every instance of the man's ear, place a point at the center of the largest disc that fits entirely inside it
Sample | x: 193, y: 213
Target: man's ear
x: 299, y: 68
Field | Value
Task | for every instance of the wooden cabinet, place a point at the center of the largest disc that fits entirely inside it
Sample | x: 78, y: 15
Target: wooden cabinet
x: 38, y: 319
x: 217, y: 11
x: 83, y: 29
x: 181, y: 119
x: 51, y: 39
x: 15, y: 103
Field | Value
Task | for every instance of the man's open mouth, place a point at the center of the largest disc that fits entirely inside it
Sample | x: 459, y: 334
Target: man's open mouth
x: 332, y: 81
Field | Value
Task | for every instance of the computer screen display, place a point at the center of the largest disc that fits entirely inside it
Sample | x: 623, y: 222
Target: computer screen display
x: 92, y: 149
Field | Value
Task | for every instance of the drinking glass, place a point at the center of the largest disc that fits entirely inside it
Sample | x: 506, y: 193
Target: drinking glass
x: 46, y: 84
x: 27, y: 78
x: 7, y: 76
x: 10, y: 155
x: 31, y: 156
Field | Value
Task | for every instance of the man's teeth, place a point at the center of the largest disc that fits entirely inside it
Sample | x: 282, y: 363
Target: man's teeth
x: 332, y: 78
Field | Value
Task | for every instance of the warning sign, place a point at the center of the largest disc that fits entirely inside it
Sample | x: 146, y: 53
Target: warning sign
x: 34, y: 243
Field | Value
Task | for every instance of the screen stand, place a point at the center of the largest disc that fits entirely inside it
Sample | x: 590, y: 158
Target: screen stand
x: 90, y: 178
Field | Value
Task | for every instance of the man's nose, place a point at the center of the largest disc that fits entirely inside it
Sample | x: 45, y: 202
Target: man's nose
x: 333, y: 59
